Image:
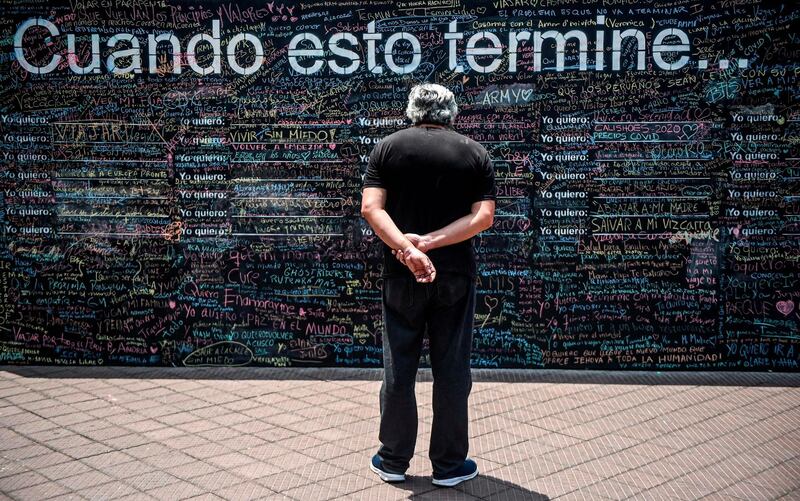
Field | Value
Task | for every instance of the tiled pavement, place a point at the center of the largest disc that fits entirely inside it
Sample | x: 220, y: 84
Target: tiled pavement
x: 308, y: 434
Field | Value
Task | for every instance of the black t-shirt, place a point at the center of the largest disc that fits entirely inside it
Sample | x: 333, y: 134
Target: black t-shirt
x: 432, y: 176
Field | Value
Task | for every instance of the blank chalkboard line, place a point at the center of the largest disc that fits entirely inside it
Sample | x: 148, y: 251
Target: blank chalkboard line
x: 653, y: 140
x: 113, y: 215
x: 231, y: 198
x: 650, y: 159
x: 663, y: 122
x: 764, y: 334
x: 287, y: 198
x: 288, y: 234
x: 92, y: 233
x: 649, y: 215
x: 284, y: 179
x: 110, y: 233
x: 654, y: 196
x: 78, y: 142
x: 107, y: 122
x: 104, y: 160
x: 287, y: 216
x: 92, y: 196
x: 165, y: 180
x: 111, y: 178
x: 315, y: 124
x: 644, y: 177
x: 504, y: 124
x: 290, y: 180
x: 286, y: 161
x: 367, y: 126
x: 287, y: 142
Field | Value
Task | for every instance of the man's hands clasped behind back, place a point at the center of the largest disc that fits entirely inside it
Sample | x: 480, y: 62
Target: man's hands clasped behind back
x: 415, y: 258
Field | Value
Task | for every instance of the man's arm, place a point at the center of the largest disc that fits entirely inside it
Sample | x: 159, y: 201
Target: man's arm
x: 373, y: 202
x: 481, y: 217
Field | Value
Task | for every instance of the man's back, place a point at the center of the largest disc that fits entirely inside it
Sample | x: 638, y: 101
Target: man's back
x: 432, y: 176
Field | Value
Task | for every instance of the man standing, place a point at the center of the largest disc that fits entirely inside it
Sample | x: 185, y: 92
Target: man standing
x: 428, y: 190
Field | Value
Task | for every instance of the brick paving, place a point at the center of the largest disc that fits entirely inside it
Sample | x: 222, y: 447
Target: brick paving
x: 308, y: 434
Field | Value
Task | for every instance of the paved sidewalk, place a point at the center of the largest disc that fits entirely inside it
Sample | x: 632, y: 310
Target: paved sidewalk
x: 308, y: 434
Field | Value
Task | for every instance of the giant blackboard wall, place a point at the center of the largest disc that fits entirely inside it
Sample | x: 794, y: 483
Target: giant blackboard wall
x: 181, y: 181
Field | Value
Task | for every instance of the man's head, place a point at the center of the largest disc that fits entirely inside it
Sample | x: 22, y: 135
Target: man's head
x: 431, y: 103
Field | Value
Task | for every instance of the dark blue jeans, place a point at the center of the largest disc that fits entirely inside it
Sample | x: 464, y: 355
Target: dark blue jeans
x: 446, y: 308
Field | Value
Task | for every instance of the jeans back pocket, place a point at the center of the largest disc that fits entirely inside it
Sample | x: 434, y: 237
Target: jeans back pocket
x: 451, y: 288
x: 396, y: 293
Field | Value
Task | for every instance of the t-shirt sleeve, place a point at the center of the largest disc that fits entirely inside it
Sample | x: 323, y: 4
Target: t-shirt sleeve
x: 485, y: 187
x: 374, y: 178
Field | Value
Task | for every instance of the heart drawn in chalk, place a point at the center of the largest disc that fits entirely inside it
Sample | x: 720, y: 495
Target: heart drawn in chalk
x: 785, y: 307
x: 526, y: 94
x: 690, y: 130
x: 491, y: 302
x: 154, y: 349
x: 172, y: 304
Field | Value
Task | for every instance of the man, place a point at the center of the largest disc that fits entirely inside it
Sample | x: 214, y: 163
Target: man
x: 427, y: 191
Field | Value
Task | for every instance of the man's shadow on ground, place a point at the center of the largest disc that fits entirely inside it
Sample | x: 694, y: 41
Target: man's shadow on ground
x: 484, y: 486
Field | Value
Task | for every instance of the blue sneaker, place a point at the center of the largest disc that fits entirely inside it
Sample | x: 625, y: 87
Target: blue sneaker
x: 387, y: 476
x: 464, y: 472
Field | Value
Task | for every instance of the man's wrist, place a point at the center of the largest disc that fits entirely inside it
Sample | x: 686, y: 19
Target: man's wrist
x: 430, y: 241
x: 407, y: 246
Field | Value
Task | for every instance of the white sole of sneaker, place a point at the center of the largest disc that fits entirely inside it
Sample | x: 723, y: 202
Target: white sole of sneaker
x: 386, y: 476
x: 450, y: 482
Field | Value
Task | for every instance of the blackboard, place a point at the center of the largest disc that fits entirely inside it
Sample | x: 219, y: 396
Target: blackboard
x: 181, y: 181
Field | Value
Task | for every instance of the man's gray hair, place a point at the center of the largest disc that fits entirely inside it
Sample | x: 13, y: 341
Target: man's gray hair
x: 431, y: 103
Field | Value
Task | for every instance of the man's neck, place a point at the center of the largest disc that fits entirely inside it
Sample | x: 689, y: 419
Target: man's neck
x: 435, y: 126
